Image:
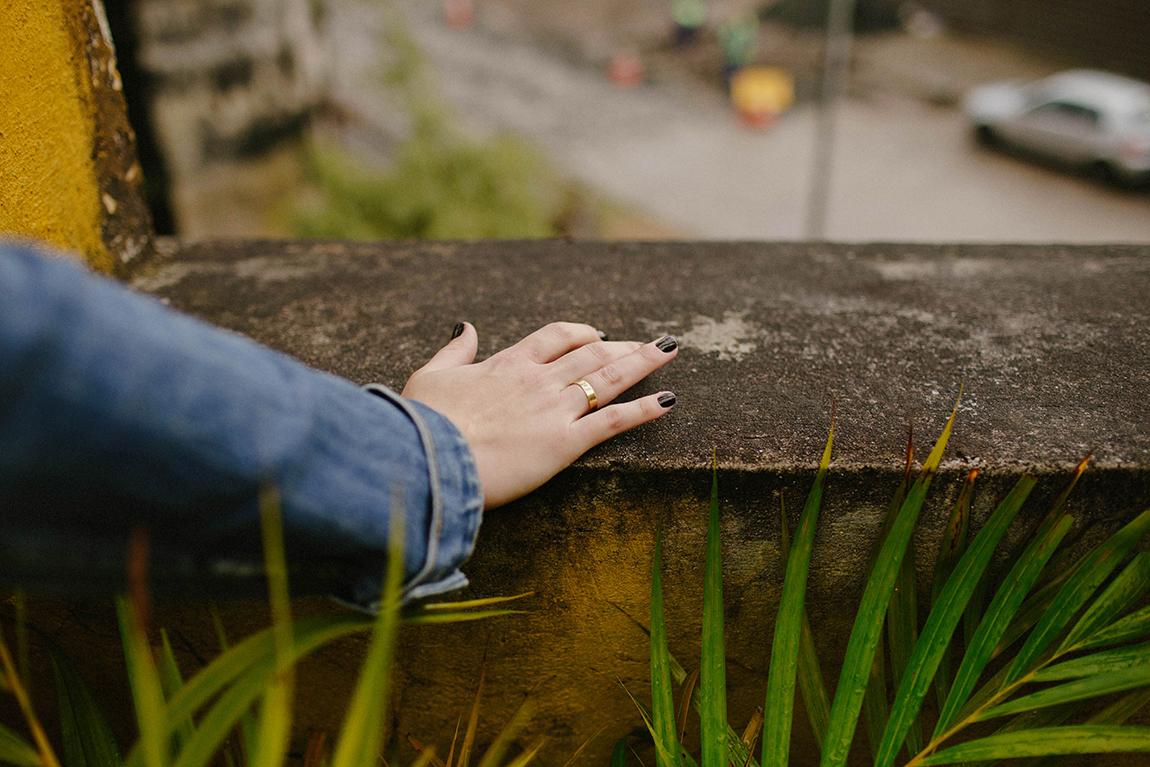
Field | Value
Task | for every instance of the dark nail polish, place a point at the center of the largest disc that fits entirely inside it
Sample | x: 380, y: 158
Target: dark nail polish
x: 667, y: 344
x: 458, y: 331
x: 602, y: 335
x: 667, y: 399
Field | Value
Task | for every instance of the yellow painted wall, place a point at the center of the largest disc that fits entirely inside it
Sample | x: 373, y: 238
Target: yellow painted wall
x: 48, y: 184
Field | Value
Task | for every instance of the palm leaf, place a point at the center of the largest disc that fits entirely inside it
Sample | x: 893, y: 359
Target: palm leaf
x: 1134, y: 626
x: 980, y: 651
x: 874, y: 708
x: 788, y: 627
x: 1130, y: 586
x: 1095, y: 568
x: 950, y: 550
x: 865, y: 635
x: 1096, y: 663
x: 811, y: 685
x: 1073, y: 739
x: 1080, y: 689
x: 662, y: 696
x: 713, y: 674
x: 944, y: 620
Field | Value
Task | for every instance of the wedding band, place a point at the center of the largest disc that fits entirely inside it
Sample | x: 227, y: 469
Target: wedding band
x: 592, y: 400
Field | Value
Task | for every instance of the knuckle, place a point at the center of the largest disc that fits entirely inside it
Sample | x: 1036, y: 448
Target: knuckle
x: 614, y: 420
x: 611, y: 374
x: 561, y: 331
x: 599, y: 352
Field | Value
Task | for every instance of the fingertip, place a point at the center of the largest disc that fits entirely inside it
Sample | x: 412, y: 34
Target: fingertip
x: 666, y: 400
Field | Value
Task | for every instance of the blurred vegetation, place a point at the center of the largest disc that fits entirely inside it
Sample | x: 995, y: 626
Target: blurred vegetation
x: 442, y: 185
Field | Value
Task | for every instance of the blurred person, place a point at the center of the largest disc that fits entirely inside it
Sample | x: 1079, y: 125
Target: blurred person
x: 119, y: 414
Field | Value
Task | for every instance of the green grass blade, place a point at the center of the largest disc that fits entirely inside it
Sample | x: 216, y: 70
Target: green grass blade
x: 902, y: 634
x: 810, y: 674
x: 247, y: 726
x: 660, y: 749
x: 15, y: 750
x: 253, y: 677
x: 1130, y: 586
x: 472, y: 720
x: 662, y: 694
x: 1072, y: 739
x: 1095, y: 568
x: 779, y: 708
x: 14, y: 685
x: 259, y: 649
x: 470, y: 604
x: 362, y: 726
x: 1136, y: 625
x: 275, y: 711
x: 1079, y: 689
x: 950, y: 550
x: 944, y: 618
x: 619, y: 753
x: 1006, y: 602
x: 874, y: 707
x: 84, y: 732
x: 713, y: 669
x: 144, y: 680
x: 170, y: 683
x: 438, y: 617
x: 1096, y: 663
x: 865, y: 635
x: 494, y: 754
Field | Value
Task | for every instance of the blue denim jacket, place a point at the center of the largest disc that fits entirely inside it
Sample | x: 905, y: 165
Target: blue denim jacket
x: 117, y: 413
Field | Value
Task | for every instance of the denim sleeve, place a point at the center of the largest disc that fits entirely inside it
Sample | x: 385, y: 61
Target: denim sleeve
x: 118, y: 414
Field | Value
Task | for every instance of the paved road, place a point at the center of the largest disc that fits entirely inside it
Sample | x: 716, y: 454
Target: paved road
x: 903, y: 170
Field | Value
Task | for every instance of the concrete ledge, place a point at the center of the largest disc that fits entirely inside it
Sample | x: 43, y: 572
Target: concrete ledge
x: 1049, y: 341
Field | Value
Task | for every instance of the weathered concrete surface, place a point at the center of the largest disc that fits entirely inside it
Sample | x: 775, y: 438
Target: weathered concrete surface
x: 68, y: 170
x: 1049, y: 341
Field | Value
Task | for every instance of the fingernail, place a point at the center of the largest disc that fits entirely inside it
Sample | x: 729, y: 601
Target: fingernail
x: 458, y: 331
x: 666, y: 399
x: 602, y: 335
x: 666, y: 344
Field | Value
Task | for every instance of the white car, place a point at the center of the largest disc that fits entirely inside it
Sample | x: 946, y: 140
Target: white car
x: 1086, y: 118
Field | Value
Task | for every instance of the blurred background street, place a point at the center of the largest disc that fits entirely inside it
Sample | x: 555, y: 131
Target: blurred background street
x: 590, y: 119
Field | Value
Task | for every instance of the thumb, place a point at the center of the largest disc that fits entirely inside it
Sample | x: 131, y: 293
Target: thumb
x: 460, y: 350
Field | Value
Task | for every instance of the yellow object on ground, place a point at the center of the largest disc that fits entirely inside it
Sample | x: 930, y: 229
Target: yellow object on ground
x: 761, y: 94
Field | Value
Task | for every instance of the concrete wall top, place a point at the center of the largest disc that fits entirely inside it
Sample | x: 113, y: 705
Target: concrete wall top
x: 1050, y: 342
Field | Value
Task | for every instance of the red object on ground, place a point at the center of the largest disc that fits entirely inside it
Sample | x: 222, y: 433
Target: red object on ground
x: 626, y: 69
x: 459, y: 14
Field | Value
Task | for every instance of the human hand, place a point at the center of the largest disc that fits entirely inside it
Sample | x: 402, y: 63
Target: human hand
x: 521, y: 411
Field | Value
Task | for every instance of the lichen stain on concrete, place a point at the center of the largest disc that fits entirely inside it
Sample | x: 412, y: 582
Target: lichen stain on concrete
x: 728, y: 337
x: 48, y: 186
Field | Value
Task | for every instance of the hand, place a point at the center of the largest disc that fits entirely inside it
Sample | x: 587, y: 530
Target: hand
x: 521, y: 411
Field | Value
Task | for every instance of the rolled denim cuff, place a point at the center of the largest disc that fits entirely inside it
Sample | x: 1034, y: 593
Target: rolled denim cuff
x: 456, y: 500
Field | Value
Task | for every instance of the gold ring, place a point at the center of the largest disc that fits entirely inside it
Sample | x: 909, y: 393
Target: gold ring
x: 592, y: 400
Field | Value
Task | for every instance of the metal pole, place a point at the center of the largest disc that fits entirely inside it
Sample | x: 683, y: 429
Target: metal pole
x: 840, y: 35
